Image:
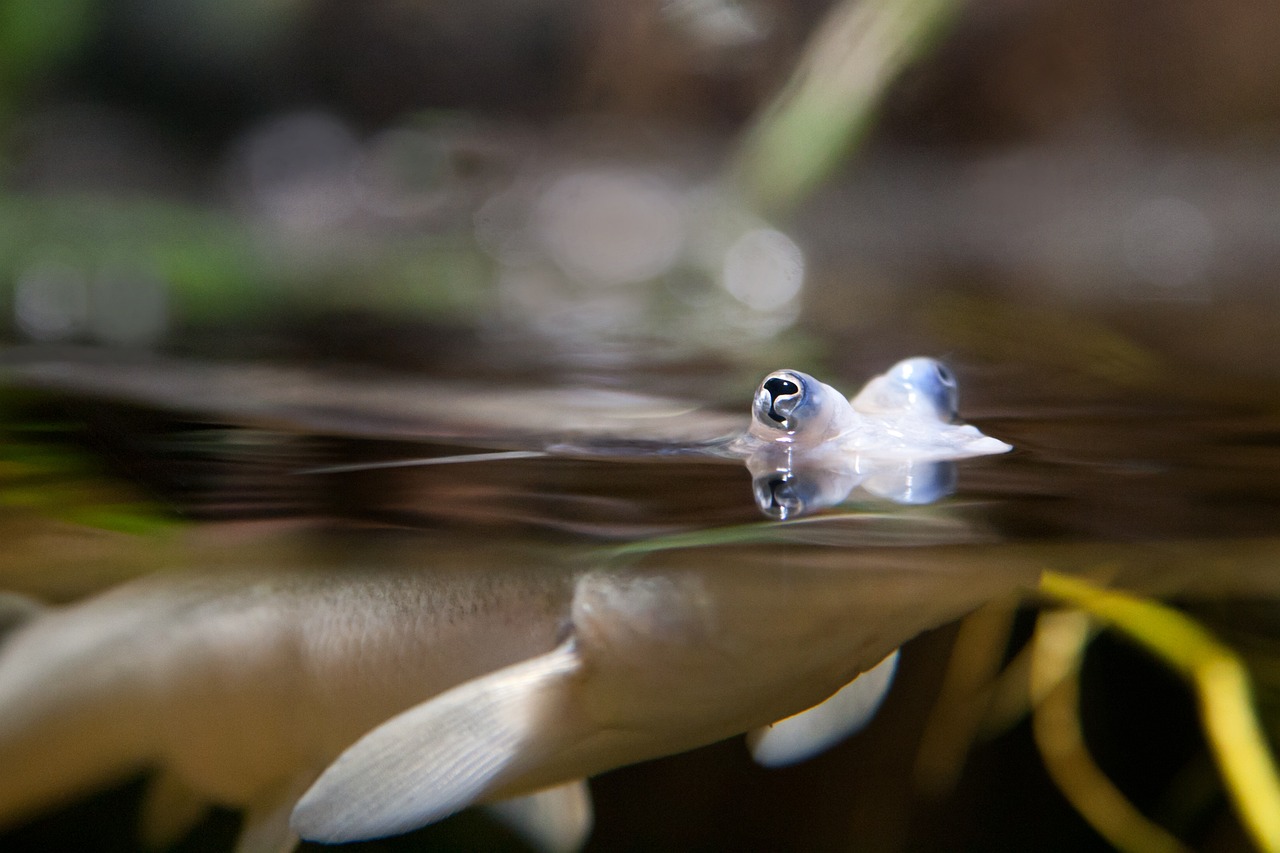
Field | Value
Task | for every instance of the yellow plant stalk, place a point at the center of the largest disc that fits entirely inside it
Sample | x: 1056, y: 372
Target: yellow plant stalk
x: 1058, y: 648
x: 1222, y: 689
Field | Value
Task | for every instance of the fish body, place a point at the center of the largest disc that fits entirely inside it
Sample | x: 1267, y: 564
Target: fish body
x: 660, y: 659
x: 239, y: 682
x: 474, y: 680
x: 384, y: 695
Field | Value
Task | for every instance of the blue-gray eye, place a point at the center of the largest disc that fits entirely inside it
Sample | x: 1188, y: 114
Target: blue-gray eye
x: 784, y: 401
x: 931, y: 383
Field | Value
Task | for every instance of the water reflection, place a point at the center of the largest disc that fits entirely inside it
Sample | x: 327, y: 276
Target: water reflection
x: 808, y: 447
x: 785, y: 488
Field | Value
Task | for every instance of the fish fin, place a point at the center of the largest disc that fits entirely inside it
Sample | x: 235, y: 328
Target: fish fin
x: 804, y: 735
x: 170, y: 808
x: 266, y: 820
x: 553, y: 820
x: 16, y: 610
x: 438, y: 757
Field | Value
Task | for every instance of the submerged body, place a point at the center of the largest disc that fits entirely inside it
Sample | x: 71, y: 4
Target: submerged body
x: 239, y: 683
x: 493, y: 681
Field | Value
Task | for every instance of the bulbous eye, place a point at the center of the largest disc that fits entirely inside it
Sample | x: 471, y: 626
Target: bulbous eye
x: 781, y: 392
x: 928, y: 384
x: 942, y: 392
x: 795, y: 409
x: 782, y: 399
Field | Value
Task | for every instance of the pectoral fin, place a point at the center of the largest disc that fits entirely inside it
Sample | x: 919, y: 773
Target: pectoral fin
x: 804, y: 735
x: 554, y: 820
x: 438, y: 757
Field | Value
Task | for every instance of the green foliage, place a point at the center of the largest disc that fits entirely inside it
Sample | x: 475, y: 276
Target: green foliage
x: 834, y: 95
x: 43, y: 474
x: 34, y: 36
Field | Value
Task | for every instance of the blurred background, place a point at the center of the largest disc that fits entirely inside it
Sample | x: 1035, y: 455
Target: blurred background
x: 581, y: 177
x: 1074, y: 202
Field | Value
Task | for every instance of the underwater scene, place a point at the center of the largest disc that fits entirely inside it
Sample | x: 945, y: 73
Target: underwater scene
x: 708, y: 425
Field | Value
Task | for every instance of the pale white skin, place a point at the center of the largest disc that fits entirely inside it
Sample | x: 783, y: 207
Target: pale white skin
x: 808, y: 447
x: 240, y: 682
x: 907, y: 413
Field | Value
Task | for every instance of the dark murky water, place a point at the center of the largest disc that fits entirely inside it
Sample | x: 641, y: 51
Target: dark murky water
x: 1167, y: 481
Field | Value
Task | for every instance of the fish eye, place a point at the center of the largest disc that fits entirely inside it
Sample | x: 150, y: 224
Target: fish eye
x: 779, y: 387
x: 923, y: 386
x: 944, y: 396
x: 794, y: 408
x: 779, y: 400
x: 930, y: 382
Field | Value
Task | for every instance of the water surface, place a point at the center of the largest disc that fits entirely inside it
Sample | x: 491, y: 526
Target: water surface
x: 1163, y: 480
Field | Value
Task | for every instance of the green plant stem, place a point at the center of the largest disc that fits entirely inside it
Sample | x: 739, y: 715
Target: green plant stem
x: 833, y: 95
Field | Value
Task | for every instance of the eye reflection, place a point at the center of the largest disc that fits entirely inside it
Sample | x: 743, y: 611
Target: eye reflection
x: 779, y: 496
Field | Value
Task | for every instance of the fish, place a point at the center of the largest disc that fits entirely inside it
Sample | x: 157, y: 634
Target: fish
x: 806, y: 446
x: 340, y: 702
x: 356, y: 700
x: 908, y: 413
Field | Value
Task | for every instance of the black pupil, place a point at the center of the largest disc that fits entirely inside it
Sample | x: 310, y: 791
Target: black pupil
x: 779, y: 387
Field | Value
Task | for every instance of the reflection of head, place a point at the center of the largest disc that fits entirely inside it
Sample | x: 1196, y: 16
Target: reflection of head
x: 793, y: 407
x: 784, y: 490
x: 920, y: 386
